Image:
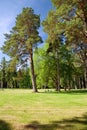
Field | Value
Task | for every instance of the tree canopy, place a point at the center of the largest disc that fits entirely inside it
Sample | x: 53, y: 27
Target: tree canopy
x: 23, y: 37
x: 62, y: 61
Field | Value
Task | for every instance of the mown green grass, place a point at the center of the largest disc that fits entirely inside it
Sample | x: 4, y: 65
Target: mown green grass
x: 24, y: 110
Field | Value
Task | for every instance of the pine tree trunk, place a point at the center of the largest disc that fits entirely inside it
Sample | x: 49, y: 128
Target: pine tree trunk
x: 86, y: 76
x: 33, y: 77
x: 58, y: 73
x: 84, y: 9
x: 84, y: 82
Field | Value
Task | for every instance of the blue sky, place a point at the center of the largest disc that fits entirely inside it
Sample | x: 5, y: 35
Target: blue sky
x: 9, y: 9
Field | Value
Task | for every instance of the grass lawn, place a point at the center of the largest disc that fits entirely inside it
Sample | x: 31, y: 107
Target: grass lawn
x: 24, y: 110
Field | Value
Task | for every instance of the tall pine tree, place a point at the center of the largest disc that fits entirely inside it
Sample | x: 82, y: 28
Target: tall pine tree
x: 23, y: 37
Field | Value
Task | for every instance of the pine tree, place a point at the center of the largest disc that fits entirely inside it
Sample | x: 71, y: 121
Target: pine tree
x: 23, y: 37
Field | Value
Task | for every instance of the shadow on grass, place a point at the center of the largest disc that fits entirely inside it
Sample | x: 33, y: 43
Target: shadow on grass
x: 78, y: 91
x: 4, y: 125
x: 76, y: 123
x: 83, y: 91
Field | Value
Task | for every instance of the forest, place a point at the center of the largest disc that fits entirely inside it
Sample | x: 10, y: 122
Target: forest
x: 59, y: 62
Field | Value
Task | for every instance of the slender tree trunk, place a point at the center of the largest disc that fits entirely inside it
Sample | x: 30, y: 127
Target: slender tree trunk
x: 69, y: 85
x: 86, y: 76
x: 85, y: 29
x: 58, y: 73
x: 84, y: 82
x: 81, y: 83
x: 33, y: 77
x: 78, y: 83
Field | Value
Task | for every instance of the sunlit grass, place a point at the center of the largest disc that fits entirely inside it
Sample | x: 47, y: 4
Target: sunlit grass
x: 48, y: 110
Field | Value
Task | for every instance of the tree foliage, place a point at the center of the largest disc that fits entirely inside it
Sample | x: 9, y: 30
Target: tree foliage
x: 62, y: 62
x: 23, y: 37
x: 68, y: 22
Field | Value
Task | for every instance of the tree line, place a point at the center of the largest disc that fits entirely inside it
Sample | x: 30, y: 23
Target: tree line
x: 61, y: 62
